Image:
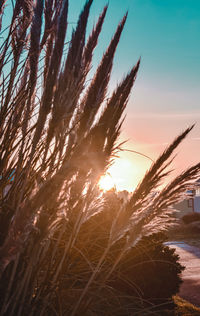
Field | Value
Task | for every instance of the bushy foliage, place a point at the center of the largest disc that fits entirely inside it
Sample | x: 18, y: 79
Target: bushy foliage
x: 61, y: 242
x: 190, y: 218
x: 151, y: 271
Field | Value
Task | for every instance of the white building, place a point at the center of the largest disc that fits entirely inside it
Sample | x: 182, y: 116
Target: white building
x: 197, y: 197
x: 191, y: 202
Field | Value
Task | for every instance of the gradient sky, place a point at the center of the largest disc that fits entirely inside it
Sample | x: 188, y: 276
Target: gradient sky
x: 165, y: 98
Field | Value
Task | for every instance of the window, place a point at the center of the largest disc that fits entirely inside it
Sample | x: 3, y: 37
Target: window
x: 190, y: 203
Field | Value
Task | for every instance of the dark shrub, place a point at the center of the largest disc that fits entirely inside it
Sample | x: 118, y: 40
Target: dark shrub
x: 192, y: 217
x: 150, y: 270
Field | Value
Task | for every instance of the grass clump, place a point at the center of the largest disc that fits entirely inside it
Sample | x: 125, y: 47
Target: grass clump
x: 61, y: 241
x: 185, y: 308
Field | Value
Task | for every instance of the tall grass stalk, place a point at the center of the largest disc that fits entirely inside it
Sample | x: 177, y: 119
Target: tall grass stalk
x: 59, y: 242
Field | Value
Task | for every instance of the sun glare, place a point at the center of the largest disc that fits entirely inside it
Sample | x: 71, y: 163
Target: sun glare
x: 122, y: 175
x: 125, y: 173
x: 106, y: 183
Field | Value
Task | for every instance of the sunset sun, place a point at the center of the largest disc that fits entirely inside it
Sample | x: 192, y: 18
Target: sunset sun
x: 124, y: 174
x: 106, y: 182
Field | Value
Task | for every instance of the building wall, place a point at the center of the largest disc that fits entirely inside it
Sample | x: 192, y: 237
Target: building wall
x: 184, y: 207
x: 197, y: 204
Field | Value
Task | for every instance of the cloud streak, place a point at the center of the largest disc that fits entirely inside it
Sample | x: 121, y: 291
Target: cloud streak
x: 164, y: 116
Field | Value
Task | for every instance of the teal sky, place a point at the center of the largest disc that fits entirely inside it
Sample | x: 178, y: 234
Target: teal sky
x: 166, y: 34
x: 165, y: 99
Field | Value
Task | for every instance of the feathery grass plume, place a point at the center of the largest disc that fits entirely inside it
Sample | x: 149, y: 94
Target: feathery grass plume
x: 154, y: 175
x: 78, y: 41
x: 103, y: 135
x: 17, y: 31
x: 71, y: 81
x: 53, y: 71
x: 51, y: 13
x: 82, y: 57
x: 98, y: 87
x: 121, y: 99
x: 35, y: 44
x: 17, y: 42
x: 27, y: 6
x: 2, y: 6
x: 61, y: 239
x: 93, y: 38
x: 34, y: 53
x: 173, y: 192
x: 154, y: 215
x: 134, y: 215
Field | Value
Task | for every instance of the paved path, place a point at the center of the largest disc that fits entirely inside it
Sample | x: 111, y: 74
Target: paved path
x: 190, y: 258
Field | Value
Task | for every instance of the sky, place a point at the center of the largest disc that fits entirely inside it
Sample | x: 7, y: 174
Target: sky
x: 165, y: 98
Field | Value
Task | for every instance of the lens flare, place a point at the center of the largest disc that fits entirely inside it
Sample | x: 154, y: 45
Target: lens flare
x: 124, y: 174
x: 106, y: 182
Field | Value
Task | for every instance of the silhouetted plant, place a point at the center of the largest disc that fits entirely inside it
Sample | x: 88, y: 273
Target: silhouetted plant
x: 151, y: 271
x: 58, y: 135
